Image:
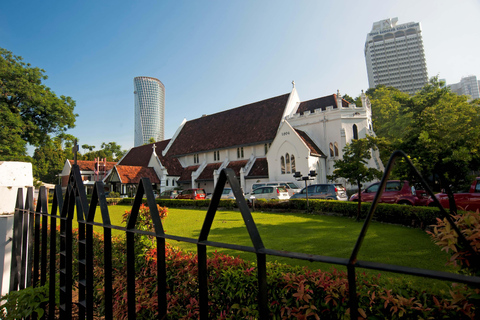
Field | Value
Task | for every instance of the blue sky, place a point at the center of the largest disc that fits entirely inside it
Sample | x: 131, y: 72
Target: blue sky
x: 216, y: 55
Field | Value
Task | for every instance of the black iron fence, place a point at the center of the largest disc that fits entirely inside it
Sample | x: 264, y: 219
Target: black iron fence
x: 35, y: 226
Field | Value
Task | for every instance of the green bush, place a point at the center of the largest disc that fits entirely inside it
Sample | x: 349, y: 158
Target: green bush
x: 24, y: 303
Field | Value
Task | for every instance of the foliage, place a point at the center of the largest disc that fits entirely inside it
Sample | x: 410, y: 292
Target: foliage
x: 50, y: 158
x: 438, y: 129
x: 445, y: 236
x: 293, y: 292
x: 111, y: 151
x: 23, y: 303
x: 114, y: 194
x: 29, y: 111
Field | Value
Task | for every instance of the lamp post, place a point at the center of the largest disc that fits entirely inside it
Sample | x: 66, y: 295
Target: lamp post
x: 311, y: 176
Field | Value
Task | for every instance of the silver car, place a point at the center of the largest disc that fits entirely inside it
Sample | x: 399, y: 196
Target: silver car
x: 270, y: 192
x: 327, y: 191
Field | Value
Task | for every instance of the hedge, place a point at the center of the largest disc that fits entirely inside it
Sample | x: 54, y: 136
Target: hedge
x: 411, y: 216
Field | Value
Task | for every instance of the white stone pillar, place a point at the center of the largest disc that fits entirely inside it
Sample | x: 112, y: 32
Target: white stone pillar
x: 13, y: 175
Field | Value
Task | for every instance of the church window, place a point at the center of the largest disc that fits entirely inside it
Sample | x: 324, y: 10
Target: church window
x: 355, y: 132
x: 282, y: 164
x: 292, y: 160
x: 331, y: 150
x: 287, y: 160
x: 240, y: 154
x: 336, y: 149
x: 196, y: 158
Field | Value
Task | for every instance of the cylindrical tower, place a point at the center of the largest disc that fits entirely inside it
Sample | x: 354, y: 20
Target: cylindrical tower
x: 149, y: 110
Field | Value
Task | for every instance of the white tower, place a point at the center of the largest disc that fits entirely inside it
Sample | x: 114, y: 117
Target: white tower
x: 149, y: 110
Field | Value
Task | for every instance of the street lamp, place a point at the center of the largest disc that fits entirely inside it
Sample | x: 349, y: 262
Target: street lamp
x: 311, y: 176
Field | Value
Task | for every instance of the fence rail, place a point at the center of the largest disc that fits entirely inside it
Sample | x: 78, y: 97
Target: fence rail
x: 31, y: 228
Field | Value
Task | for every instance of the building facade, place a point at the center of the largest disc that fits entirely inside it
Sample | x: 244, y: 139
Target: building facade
x: 149, y: 110
x: 267, y: 140
x: 395, y: 56
x: 468, y: 86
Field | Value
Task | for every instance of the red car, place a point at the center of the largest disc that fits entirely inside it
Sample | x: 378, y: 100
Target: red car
x: 193, y: 194
x: 396, y: 191
x: 469, y: 201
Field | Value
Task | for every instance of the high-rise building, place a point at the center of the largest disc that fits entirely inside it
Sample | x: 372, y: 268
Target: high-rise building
x: 149, y: 110
x: 395, y: 57
x: 467, y: 86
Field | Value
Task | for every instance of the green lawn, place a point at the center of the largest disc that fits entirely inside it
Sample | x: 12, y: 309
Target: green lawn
x: 311, y: 234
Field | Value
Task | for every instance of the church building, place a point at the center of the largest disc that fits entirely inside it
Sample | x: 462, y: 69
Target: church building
x: 268, y: 140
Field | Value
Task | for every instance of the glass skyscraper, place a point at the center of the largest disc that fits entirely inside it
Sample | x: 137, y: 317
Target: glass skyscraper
x: 395, y: 57
x: 149, y: 110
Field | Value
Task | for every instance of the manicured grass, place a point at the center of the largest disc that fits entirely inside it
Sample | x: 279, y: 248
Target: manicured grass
x: 311, y: 234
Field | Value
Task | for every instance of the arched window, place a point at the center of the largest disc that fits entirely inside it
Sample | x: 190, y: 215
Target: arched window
x: 292, y: 160
x: 355, y: 132
x: 287, y: 157
x: 167, y: 182
x: 282, y: 164
x: 331, y: 150
x: 336, y: 149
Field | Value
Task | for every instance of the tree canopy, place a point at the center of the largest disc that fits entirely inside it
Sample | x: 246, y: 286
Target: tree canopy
x: 111, y: 151
x: 438, y: 129
x: 30, y: 113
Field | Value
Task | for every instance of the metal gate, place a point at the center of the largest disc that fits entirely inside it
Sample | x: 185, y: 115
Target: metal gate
x: 31, y: 227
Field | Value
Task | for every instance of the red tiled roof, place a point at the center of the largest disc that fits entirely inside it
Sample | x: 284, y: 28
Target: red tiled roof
x: 237, y: 165
x: 140, y: 156
x: 187, y: 173
x: 314, y: 149
x: 259, y: 168
x: 207, y: 173
x: 321, y: 103
x: 88, y: 165
x: 252, y: 123
x: 133, y: 174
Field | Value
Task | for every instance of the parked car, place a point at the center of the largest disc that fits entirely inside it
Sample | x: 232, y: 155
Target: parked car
x: 327, y: 191
x: 269, y: 192
x: 396, y: 191
x: 170, y: 194
x: 469, y: 201
x: 291, y: 187
x: 227, y: 194
x: 193, y: 194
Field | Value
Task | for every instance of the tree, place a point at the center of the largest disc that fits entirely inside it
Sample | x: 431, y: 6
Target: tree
x: 29, y: 111
x: 88, y: 147
x: 353, y: 165
x: 438, y: 129
x: 111, y: 151
x: 49, y: 159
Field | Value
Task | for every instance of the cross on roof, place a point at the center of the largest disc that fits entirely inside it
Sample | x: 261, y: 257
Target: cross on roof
x: 154, y: 147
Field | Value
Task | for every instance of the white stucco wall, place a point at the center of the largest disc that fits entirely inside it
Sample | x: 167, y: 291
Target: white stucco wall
x: 13, y: 175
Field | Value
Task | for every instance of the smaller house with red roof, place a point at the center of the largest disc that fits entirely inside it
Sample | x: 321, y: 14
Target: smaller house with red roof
x: 91, y: 171
x: 144, y: 162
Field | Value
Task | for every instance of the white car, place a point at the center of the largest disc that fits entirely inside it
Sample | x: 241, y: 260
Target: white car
x: 270, y: 192
x: 291, y: 187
